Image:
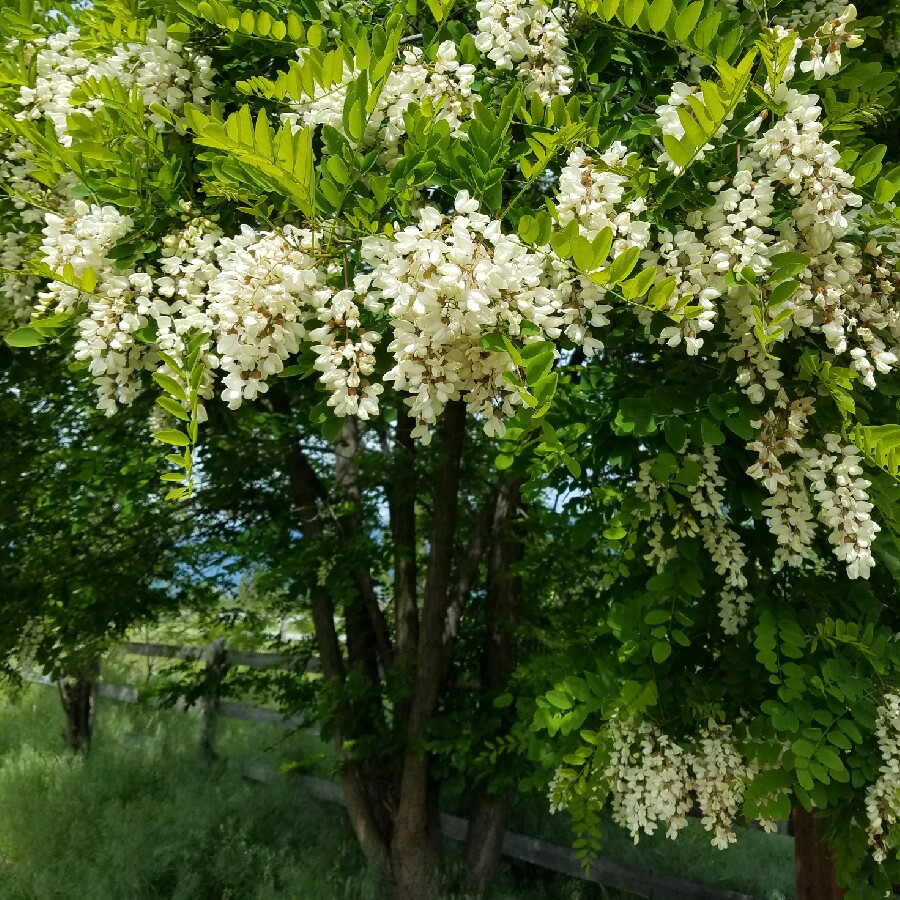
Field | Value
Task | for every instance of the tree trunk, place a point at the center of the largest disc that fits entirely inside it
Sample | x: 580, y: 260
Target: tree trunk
x: 813, y: 860
x: 487, y: 822
x: 416, y: 843
x: 78, y: 695
x: 308, y: 493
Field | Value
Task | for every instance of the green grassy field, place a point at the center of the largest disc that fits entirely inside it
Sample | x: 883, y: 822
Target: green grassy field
x: 151, y: 818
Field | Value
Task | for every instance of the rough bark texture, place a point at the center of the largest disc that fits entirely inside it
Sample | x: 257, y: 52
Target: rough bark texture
x: 309, y: 496
x: 403, y: 527
x: 487, y: 823
x: 813, y: 860
x: 415, y: 851
x: 78, y: 695
x: 393, y: 808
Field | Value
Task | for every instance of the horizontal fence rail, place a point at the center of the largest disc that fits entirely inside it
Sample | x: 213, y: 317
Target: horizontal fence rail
x: 253, y: 659
x: 217, y: 658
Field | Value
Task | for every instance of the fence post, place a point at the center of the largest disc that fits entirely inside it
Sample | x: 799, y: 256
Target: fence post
x: 214, y: 657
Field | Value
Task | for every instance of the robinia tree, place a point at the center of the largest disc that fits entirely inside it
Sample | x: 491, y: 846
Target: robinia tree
x: 643, y: 253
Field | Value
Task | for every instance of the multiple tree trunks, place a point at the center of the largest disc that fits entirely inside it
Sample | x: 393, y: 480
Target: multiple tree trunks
x: 813, y: 860
x: 78, y: 694
x: 394, y: 806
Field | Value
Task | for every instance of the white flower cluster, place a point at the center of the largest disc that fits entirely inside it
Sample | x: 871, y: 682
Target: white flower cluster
x: 703, y: 516
x: 106, y: 341
x: 530, y: 37
x: 655, y: 781
x: 883, y: 797
x: 845, y: 295
x: 160, y: 68
x: 346, y: 355
x: 16, y: 170
x: 590, y: 192
x: 788, y: 509
x: 445, y: 282
x: 844, y: 505
x: 252, y: 294
x: 446, y: 83
x: 832, y: 33
x: 16, y: 293
x: 834, y: 475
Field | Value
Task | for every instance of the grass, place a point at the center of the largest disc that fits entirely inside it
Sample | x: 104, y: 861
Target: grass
x: 153, y: 820
x: 758, y: 864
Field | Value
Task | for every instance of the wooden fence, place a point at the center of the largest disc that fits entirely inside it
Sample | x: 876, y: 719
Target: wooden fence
x: 217, y: 658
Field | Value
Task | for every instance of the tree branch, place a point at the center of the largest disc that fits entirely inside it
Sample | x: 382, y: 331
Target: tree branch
x: 402, y: 503
x: 350, y: 525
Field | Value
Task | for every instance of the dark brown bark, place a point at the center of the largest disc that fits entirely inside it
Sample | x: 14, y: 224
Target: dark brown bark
x: 403, y: 528
x: 78, y: 694
x: 813, y: 860
x: 309, y: 496
x: 402, y: 506
x: 487, y: 823
x: 376, y: 634
x: 415, y: 851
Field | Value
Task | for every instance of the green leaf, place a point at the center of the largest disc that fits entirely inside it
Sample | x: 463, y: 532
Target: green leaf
x: 658, y: 14
x: 622, y: 266
x: 601, y: 244
x: 439, y: 9
x: 25, y: 337
x: 783, y: 292
x: 869, y: 166
x: 356, y: 120
x: 791, y: 263
x: 675, y: 432
x: 338, y: 169
x: 687, y: 20
x: 493, y: 341
x: 829, y: 758
x: 661, y: 293
x: 331, y: 429
x: 583, y: 253
x: 173, y: 407
x: 528, y: 229
x: 174, y: 437
x: 658, y: 616
x: 661, y: 651
x: 680, y: 152
x: 170, y: 386
x: 638, y: 286
x: 711, y: 433
x: 560, y: 699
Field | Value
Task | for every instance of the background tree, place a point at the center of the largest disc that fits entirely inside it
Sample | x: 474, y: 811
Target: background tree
x: 227, y: 200
x: 88, y: 547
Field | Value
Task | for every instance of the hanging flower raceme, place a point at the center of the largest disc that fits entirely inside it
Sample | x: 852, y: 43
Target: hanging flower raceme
x: 527, y: 36
x: 445, y: 282
x: 704, y: 516
x: 653, y: 781
x: 445, y: 83
x: 160, y: 68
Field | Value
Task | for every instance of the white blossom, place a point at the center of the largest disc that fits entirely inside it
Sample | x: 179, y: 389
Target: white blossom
x: 528, y: 37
